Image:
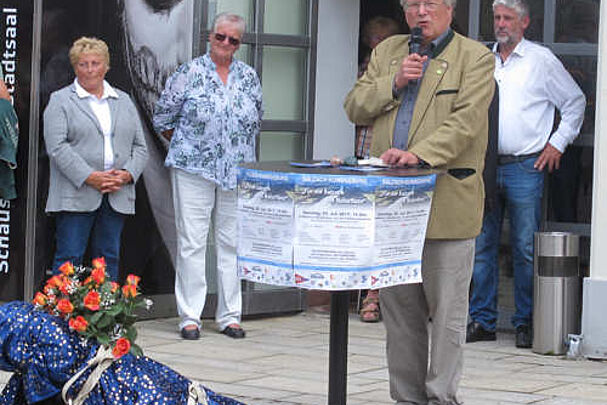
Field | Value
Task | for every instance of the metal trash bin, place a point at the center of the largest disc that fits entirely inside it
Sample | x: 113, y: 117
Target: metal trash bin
x: 556, y: 291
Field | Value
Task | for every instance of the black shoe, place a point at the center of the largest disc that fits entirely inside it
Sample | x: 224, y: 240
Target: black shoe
x: 190, y: 334
x: 476, y: 333
x: 234, y: 332
x: 523, y: 337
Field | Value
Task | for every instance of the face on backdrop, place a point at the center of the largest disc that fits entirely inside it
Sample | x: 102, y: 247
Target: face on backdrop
x: 157, y: 39
x: 433, y: 17
x: 508, y: 26
x: 158, y: 36
x: 90, y: 71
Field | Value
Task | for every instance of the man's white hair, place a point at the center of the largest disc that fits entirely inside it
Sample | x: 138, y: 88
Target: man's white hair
x: 235, y: 19
x: 450, y: 3
x: 520, y: 6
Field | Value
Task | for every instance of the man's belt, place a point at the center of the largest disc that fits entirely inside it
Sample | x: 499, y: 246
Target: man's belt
x: 505, y: 159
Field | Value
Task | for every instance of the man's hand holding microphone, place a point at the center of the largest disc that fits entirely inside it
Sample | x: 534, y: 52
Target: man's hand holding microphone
x: 412, y: 67
x: 411, y: 70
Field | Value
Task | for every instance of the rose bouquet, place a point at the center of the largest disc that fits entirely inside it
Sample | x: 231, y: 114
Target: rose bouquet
x: 94, y: 306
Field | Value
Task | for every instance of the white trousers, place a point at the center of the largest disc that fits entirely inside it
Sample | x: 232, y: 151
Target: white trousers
x: 195, y: 199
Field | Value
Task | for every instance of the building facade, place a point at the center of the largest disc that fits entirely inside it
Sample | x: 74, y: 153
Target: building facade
x: 307, y: 55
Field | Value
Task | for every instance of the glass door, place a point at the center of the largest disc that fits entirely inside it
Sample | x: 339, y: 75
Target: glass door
x: 570, y: 29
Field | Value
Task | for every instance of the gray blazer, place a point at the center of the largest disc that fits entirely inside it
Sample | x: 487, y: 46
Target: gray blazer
x: 74, y: 143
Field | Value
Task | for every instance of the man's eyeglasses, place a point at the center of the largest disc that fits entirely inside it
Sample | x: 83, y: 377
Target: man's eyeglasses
x: 429, y: 5
x: 222, y: 37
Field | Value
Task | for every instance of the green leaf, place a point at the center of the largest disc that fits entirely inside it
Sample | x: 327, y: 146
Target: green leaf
x: 115, y: 310
x: 131, y: 333
x: 129, y: 319
x: 136, y: 350
x: 95, y: 318
x: 120, y: 306
x: 103, y: 339
x: 88, y: 334
x: 106, y: 320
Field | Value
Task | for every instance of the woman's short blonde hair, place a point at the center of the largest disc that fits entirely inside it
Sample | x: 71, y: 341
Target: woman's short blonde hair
x: 89, y: 45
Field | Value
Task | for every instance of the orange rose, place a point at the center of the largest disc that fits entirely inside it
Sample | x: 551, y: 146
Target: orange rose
x: 65, y: 306
x: 67, y: 268
x: 129, y: 291
x: 98, y: 274
x: 91, y: 300
x: 54, y: 282
x: 132, y: 279
x: 40, y: 299
x: 122, y: 347
x: 79, y: 324
x: 115, y: 286
x: 99, y: 263
x: 66, y: 283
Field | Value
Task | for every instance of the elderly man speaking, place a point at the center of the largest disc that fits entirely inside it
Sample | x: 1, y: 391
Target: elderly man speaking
x: 430, y: 107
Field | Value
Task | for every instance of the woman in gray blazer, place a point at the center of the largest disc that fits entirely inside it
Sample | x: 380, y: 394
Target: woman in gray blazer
x: 97, y: 151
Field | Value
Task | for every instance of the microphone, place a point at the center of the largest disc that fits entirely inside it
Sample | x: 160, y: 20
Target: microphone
x: 415, y: 45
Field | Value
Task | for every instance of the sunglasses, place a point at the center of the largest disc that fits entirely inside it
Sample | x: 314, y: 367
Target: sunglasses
x: 222, y: 37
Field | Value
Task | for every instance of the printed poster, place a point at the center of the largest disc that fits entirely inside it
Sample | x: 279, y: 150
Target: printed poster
x: 334, y: 230
x: 331, y: 232
x: 265, y: 227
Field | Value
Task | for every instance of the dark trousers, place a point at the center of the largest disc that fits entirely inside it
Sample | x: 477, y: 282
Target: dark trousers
x: 102, y: 226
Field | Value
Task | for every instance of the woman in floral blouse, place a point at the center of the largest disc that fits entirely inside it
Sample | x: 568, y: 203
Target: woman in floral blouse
x: 211, y: 110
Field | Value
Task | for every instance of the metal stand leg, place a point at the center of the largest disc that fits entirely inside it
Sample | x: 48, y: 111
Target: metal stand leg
x: 338, y: 347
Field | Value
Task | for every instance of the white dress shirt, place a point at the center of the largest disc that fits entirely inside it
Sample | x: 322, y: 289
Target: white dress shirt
x: 532, y: 82
x: 101, y: 109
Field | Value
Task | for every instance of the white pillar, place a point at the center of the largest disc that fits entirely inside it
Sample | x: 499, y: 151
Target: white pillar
x: 594, y: 327
x: 336, y: 67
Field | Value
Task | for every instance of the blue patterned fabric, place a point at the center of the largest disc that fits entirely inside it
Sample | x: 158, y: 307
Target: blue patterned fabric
x: 43, y: 354
x: 215, y: 125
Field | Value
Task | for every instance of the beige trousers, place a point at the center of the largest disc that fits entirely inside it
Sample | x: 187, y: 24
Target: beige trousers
x: 432, y: 315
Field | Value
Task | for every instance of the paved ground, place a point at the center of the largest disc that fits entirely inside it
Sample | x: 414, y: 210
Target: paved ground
x: 284, y: 360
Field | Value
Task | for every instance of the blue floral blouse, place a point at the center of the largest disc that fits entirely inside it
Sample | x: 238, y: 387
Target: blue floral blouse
x: 215, y: 125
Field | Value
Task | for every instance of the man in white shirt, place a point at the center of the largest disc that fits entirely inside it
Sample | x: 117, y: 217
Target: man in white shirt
x: 532, y: 83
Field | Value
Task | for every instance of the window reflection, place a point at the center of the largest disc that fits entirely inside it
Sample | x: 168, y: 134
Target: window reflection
x: 570, y: 187
x: 244, y: 54
x: 281, y: 146
x: 284, y: 82
x: 577, y: 21
x: 583, y: 71
x: 243, y: 8
x: 286, y: 17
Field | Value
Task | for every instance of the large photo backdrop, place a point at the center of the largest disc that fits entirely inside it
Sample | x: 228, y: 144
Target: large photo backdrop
x: 147, y: 40
x: 16, y: 18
